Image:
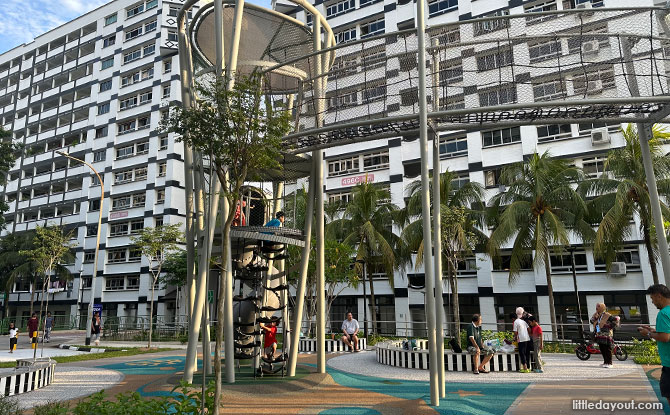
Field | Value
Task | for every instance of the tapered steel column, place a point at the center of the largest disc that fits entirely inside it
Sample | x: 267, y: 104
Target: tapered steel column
x: 320, y: 243
x: 425, y: 205
x: 302, y: 284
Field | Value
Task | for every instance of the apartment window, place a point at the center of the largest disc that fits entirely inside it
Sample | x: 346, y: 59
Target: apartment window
x: 160, y: 196
x: 340, y: 198
x: 585, y: 128
x: 140, y: 173
x: 142, y: 148
x: 166, y: 91
x: 103, y: 108
x: 163, y: 143
x: 147, y: 73
x: 451, y: 72
x: 139, y: 199
x: 495, y: 60
x: 124, y: 152
x: 340, y: 7
x: 91, y: 230
x: 124, y: 104
x: 563, y: 262
x: 372, y: 28
x: 409, y: 97
x: 553, y: 132
x: 549, y: 90
x: 145, y: 97
x: 346, y: 35
x: 95, y: 181
x: 488, y: 26
x: 173, y: 12
x: 346, y: 99
x: 545, y: 6
x: 136, y: 226
x: 454, y: 102
x: 123, y: 177
x: 595, y: 81
x: 576, y: 44
x: 107, y: 63
x: 150, y: 27
x: 162, y: 169
x: 126, y: 127
x: 149, y: 49
x: 492, y: 178
x: 132, y: 56
x: 99, y: 156
x: 374, y: 93
x: 134, y: 254
x: 151, y: 4
x: 110, y: 19
x: 117, y: 229
x: 167, y: 66
x: 172, y: 36
x: 374, y: 161
x: 630, y: 255
x: 109, y: 41
x: 89, y: 256
x: 133, y: 282
x: 498, y: 96
x: 344, y: 65
x: 143, y: 122
x: 159, y: 221
x: 135, y: 10
x: 105, y: 85
x: 441, y: 6
x: 116, y: 255
x: 544, y: 50
x: 114, y: 283
x: 133, y: 33
x: 343, y: 166
x: 130, y: 79
x: 373, y: 58
x: 594, y: 166
x: 502, y: 136
x: 101, y: 132
x: 453, y: 146
x: 460, y: 181
x: 94, y: 205
x: 502, y: 262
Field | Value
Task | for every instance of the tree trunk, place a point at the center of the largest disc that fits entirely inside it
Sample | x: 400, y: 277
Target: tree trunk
x: 373, y: 304
x: 39, y: 319
x: 550, y: 292
x: 46, y: 310
x: 151, y: 311
x: 453, y: 280
x: 650, y: 249
x: 6, y: 308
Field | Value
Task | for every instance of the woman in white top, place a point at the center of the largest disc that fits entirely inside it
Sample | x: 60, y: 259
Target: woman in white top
x: 13, y: 337
x: 522, y: 336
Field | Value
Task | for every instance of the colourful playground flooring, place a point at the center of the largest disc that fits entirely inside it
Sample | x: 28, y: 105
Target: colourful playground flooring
x: 340, y: 392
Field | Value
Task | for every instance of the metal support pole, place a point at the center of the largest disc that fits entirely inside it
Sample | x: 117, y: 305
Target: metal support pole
x: 97, y: 248
x: 425, y: 205
x: 437, y: 237
x: 574, y: 281
x: 228, y: 327
x: 320, y: 243
x: 302, y: 284
x: 644, y: 134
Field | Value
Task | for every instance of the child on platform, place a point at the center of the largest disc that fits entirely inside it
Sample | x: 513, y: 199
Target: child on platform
x: 536, y: 336
x: 270, y: 343
x: 13, y: 337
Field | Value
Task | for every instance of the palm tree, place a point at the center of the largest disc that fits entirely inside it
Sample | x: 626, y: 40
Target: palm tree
x: 537, y: 212
x: 460, y: 221
x: 622, y: 191
x: 367, y: 225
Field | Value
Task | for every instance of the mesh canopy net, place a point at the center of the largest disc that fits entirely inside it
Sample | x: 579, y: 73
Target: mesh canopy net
x: 594, y: 66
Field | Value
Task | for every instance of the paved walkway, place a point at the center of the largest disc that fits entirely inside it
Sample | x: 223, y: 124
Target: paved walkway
x: 28, y: 353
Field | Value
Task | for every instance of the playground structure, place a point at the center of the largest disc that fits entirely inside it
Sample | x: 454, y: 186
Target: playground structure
x: 596, y: 67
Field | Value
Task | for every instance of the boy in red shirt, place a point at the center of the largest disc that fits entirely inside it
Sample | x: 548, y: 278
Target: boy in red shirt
x: 270, y: 343
x: 536, y: 337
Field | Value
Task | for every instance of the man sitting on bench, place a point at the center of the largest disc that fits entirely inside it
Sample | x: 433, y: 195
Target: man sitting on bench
x: 350, y: 329
x: 475, y: 347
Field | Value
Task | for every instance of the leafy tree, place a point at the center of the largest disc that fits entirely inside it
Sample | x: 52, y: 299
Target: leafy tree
x: 460, y: 227
x: 536, y: 212
x: 156, y: 244
x: 621, y: 191
x: 8, y: 154
x: 51, y: 246
x: 14, y: 266
x: 174, y: 269
x: 367, y: 227
x: 240, y: 132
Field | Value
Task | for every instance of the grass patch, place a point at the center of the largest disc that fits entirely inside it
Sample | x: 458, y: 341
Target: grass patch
x: 116, y: 352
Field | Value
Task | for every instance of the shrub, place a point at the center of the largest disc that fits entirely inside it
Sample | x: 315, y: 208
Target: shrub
x: 9, y: 406
x: 645, y: 352
x: 52, y: 408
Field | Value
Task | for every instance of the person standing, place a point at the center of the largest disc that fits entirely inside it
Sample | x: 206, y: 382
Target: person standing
x: 48, y: 326
x: 538, y: 344
x: 475, y: 347
x: 13, y: 337
x: 660, y: 297
x: 33, y: 326
x: 603, y: 333
x: 96, y: 326
x: 522, y: 336
x: 350, y: 329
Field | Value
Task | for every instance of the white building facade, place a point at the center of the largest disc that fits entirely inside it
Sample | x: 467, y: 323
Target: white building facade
x: 96, y: 88
x: 475, y: 156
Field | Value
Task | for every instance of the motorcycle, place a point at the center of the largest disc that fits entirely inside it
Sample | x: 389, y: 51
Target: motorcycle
x: 585, y: 349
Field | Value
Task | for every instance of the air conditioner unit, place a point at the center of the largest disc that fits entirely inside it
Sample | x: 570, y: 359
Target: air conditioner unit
x: 618, y: 269
x: 594, y: 86
x: 590, y: 47
x: 600, y: 136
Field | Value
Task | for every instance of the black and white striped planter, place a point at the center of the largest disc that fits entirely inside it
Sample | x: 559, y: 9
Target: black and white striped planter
x: 27, y: 377
x: 392, y: 354
x: 332, y: 346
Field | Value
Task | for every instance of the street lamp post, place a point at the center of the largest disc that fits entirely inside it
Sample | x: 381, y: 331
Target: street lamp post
x: 97, y: 246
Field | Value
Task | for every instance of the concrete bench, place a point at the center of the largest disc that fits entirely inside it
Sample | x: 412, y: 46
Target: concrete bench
x: 306, y: 345
x: 393, y: 354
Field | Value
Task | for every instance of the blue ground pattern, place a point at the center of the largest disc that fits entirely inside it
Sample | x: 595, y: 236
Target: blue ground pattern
x: 156, y: 366
x: 657, y: 389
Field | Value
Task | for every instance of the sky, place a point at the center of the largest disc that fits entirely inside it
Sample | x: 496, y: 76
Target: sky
x: 21, y: 21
